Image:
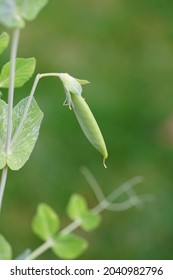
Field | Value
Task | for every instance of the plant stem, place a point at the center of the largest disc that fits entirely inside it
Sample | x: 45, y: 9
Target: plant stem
x: 49, y: 243
x: 16, y: 133
x: 37, y: 78
x: 68, y: 229
x: 105, y: 203
x: 2, y: 183
x: 71, y: 227
x: 14, y: 46
x: 40, y: 250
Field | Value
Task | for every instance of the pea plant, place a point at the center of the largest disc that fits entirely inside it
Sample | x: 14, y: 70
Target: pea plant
x: 19, y: 130
x: 63, y: 242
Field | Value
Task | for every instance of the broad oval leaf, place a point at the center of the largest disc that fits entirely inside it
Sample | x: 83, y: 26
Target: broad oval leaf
x: 46, y: 222
x: 24, y: 141
x: 25, y: 68
x: 69, y: 246
x: 13, y: 12
x: 3, y: 132
x: 76, y: 207
x: 5, y: 249
x: 4, y: 40
x: 90, y: 221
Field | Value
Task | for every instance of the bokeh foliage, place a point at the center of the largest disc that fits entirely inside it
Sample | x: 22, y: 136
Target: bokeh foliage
x: 125, y: 49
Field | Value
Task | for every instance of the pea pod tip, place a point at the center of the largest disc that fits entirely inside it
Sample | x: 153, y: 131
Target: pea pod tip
x: 104, y: 164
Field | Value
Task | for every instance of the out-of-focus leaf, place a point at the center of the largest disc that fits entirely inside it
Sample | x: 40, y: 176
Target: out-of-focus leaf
x: 90, y: 221
x: 76, y: 207
x: 9, y: 15
x: 4, y: 40
x: 46, y: 222
x: 29, y: 9
x: 69, y: 246
x: 24, y: 70
x: 5, y: 249
x: 14, y: 12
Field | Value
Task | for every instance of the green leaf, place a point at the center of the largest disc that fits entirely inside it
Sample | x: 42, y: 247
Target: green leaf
x: 46, y: 222
x: 77, y: 207
x: 4, y: 40
x: 5, y: 249
x: 90, y: 221
x: 9, y: 14
x: 83, y: 82
x: 24, y: 141
x: 3, y: 132
x: 25, y: 68
x: 30, y: 9
x: 69, y: 246
x: 13, y: 12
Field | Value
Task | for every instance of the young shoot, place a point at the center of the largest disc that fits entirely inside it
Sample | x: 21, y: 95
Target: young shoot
x: 64, y: 243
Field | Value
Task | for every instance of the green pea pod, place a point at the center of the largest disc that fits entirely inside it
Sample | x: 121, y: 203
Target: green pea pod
x: 89, y: 124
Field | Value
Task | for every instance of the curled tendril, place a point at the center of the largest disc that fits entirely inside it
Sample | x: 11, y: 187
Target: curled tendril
x: 133, y: 200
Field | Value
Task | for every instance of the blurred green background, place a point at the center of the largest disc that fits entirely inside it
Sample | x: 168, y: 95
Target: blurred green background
x: 125, y: 49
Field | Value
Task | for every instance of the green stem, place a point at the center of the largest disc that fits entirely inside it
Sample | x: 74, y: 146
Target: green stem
x: 40, y: 250
x: 2, y: 183
x: 14, y: 46
x: 49, y: 243
x: 26, y: 109
x: 71, y: 227
x: 103, y: 204
x: 38, y: 77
